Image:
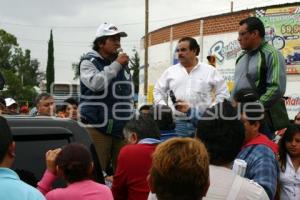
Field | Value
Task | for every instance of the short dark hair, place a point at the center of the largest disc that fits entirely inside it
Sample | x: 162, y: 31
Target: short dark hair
x: 222, y: 135
x: 99, y: 40
x: 5, y: 138
x: 75, y: 161
x: 42, y: 96
x: 144, y: 127
x: 290, y: 132
x: 192, y: 44
x: 144, y: 107
x: 254, y: 23
x: 163, y: 117
x: 71, y: 101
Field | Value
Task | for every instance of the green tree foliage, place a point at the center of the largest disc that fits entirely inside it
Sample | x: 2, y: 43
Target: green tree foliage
x: 75, y: 68
x: 50, y: 64
x: 8, y: 46
x: 21, y: 73
x: 134, y: 65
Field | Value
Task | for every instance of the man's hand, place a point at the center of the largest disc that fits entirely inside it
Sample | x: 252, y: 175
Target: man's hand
x: 182, y: 106
x: 51, y: 156
x: 123, y: 59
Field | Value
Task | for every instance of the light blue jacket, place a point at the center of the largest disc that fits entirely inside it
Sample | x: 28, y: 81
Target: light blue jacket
x: 12, y: 188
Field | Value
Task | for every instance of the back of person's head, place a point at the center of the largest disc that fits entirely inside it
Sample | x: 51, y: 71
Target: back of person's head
x: 143, y: 127
x: 222, y: 132
x: 288, y: 136
x: 253, y: 112
x: 5, y: 138
x: 163, y: 116
x: 180, y: 170
x: 144, y: 109
x: 194, y: 46
x: 75, y: 162
x: 254, y: 23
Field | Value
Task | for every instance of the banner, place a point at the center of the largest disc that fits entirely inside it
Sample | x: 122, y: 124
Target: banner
x: 283, y: 32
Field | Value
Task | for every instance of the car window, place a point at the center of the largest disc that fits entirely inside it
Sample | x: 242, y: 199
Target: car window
x: 30, y: 154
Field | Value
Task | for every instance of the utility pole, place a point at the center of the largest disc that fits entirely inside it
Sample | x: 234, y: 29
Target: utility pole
x: 146, y: 44
x: 231, y: 6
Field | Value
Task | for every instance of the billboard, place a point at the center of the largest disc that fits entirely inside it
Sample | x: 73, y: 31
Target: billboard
x: 283, y: 32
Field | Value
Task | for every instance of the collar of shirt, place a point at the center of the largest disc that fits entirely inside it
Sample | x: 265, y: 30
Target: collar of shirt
x: 8, y: 173
x: 149, y: 141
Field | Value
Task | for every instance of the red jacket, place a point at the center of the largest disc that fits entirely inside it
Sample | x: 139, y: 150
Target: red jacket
x: 130, y: 179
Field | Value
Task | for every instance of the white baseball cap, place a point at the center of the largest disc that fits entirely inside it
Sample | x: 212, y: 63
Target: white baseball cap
x: 108, y: 29
x: 9, y: 101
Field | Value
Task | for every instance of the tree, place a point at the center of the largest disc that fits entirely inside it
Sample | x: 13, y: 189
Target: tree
x: 134, y: 65
x: 50, y: 64
x: 8, y: 46
x: 75, y: 68
x: 21, y: 73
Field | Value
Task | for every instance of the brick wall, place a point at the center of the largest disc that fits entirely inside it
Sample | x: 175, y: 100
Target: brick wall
x: 190, y: 28
x: 225, y: 23
x: 160, y: 36
x: 212, y: 25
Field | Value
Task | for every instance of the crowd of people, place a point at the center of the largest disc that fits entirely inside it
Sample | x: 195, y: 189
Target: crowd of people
x: 186, y: 146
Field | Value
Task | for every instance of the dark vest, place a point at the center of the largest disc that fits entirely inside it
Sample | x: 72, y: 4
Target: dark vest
x: 107, y: 111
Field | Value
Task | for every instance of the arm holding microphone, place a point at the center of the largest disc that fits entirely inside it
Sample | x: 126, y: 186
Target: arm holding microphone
x: 98, y: 79
x: 123, y: 59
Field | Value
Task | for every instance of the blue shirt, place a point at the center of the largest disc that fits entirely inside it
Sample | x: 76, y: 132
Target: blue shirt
x: 262, y: 167
x: 12, y: 188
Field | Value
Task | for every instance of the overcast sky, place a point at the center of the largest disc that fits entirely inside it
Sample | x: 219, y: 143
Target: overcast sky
x: 74, y: 23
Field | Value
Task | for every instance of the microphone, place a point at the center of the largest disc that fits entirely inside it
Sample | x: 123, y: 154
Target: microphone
x: 119, y: 51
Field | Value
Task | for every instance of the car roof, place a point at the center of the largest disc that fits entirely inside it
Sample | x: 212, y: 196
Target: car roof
x: 47, y: 126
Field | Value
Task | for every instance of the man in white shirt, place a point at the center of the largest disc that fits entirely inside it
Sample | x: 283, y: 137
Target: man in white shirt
x: 191, y: 82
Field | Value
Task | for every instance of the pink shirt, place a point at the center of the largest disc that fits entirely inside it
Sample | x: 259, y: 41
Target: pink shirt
x: 82, y: 190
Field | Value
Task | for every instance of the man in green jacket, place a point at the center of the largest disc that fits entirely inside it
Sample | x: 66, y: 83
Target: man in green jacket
x: 260, y: 67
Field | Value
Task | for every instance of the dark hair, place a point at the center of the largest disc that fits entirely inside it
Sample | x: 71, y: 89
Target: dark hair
x: 144, y: 127
x: 192, y: 44
x: 163, y: 117
x: 75, y: 161
x: 254, y: 23
x: 144, y: 107
x: 180, y: 169
x: 99, y: 40
x: 222, y: 135
x: 71, y: 101
x: 41, y: 97
x: 5, y: 138
x: 288, y: 136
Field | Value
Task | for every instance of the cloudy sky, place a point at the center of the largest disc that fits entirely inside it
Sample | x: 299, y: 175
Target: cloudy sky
x: 74, y: 23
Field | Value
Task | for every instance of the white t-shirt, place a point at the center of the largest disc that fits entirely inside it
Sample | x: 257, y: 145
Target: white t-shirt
x: 290, y: 182
x: 224, y: 184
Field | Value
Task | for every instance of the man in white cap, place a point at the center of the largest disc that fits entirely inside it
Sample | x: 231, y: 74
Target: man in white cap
x: 106, y: 93
x: 11, y: 106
